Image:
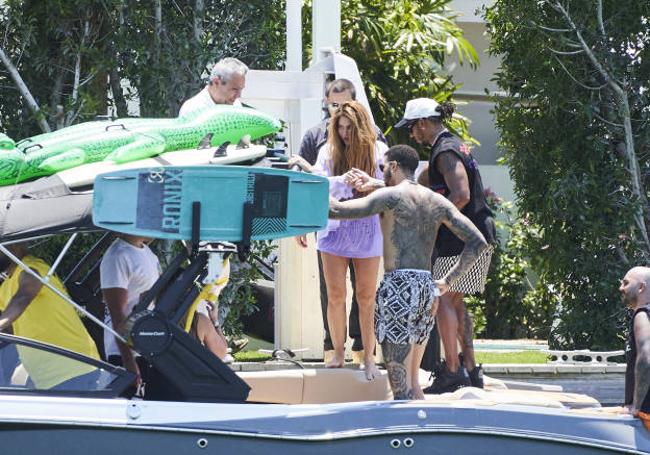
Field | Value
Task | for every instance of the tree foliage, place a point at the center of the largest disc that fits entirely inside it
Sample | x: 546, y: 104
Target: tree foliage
x: 167, y: 60
x: 575, y: 132
x: 71, y: 52
x: 158, y: 51
x: 514, y: 304
x: 400, y: 47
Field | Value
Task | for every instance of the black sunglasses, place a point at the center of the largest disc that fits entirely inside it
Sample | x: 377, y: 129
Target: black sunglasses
x: 383, y: 165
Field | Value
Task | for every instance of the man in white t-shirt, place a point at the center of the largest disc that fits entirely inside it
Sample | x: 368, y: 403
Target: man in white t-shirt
x: 227, y: 80
x: 128, y: 269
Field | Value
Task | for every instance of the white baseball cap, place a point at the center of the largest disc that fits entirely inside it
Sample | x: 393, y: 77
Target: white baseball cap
x: 418, y: 108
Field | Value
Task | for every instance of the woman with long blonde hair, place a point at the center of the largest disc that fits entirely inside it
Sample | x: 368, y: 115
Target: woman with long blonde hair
x: 352, y: 144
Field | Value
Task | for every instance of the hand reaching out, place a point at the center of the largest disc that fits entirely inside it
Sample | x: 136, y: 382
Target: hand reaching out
x: 301, y: 240
x: 442, y: 286
x: 361, y: 181
x: 213, y: 311
x: 131, y: 365
x: 299, y: 161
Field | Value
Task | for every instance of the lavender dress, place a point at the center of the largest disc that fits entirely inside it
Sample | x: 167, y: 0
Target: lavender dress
x: 360, y: 238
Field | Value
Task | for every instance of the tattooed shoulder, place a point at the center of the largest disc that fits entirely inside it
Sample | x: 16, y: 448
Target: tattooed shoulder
x: 446, y: 162
x: 392, y: 199
x: 384, y: 199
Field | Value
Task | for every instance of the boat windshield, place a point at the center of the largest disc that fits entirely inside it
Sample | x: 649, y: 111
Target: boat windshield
x: 32, y: 367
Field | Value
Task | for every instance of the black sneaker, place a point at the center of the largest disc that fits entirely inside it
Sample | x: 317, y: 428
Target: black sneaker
x: 476, y: 376
x: 446, y: 381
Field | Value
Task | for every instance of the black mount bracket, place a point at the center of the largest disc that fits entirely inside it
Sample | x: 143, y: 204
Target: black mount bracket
x: 196, y: 228
x: 244, y: 247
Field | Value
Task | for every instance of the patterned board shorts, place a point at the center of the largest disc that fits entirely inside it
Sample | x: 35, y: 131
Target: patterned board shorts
x: 472, y: 282
x: 403, y: 310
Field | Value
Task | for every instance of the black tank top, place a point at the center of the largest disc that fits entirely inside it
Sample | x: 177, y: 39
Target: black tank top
x: 476, y: 209
x: 630, y: 356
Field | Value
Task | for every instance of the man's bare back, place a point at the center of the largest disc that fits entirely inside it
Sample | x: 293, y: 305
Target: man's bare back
x: 410, y: 227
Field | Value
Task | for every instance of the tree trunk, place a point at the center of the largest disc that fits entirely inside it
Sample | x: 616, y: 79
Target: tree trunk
x: 625, y: 116
x: 158, y: 31
x: 118, y: 95
x: 199, y: 8
x: 56, y: 118
x: 77, y: 76
x: 114, y: 75
x: 24, y: 91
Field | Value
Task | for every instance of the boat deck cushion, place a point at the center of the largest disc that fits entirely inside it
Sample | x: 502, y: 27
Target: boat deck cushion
x: 322, y: 385
x: 280, y: 386
x: 315, y: 386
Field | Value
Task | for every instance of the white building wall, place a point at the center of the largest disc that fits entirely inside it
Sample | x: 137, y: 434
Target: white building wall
x: 474, y: 96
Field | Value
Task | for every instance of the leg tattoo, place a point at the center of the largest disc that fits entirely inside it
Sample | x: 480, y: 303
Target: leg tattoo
x: 395, y: 356
x: 469, y: 330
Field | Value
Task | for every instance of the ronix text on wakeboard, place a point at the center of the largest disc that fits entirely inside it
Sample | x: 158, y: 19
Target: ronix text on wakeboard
x: 160, y: 200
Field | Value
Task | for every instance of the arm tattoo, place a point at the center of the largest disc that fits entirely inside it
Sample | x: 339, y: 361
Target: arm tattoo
x: 642, y: 366
x: 641, y: 377
x: 468, y: 330
x: 453, y: 171
x: 379, y: 201
x: 446, y: 163
x: 475, y: 243
x: 395, y: 355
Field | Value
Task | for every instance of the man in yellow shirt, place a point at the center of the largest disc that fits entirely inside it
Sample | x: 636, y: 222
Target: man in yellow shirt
x: 34, y: 311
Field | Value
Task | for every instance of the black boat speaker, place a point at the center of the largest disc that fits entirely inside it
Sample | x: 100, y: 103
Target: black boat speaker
x: 196, y: 373
x: 151, y: 333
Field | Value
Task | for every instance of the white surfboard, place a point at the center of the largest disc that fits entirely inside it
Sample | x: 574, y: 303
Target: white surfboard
x: 85, y: 175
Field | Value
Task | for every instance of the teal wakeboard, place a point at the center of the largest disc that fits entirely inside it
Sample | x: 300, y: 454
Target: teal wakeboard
x: 234, y: 202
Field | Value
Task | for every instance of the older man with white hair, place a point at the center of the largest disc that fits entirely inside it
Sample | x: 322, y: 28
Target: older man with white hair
x: 227, y: 80
x: 635, y: 292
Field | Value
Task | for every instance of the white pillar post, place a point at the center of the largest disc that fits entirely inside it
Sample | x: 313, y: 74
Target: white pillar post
x: 326, y: 27
x: 294, y: 35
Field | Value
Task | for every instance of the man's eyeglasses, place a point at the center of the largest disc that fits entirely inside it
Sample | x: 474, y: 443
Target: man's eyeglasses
x: 410, y: 126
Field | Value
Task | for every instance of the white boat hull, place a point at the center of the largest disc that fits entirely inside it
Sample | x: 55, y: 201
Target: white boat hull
x: 41, y: 425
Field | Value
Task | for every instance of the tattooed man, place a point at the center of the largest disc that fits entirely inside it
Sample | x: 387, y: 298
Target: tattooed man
x: 411, y: 215
x: 635, y: 291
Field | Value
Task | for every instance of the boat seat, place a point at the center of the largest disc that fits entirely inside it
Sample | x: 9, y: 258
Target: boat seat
x: 520, y: 397
x: 280, y: 386
x: 343, y: 385
x: 340, y: 385
x: 315, y: 386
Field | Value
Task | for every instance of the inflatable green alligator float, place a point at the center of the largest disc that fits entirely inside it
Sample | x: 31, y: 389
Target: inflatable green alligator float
x: 127, y: 140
